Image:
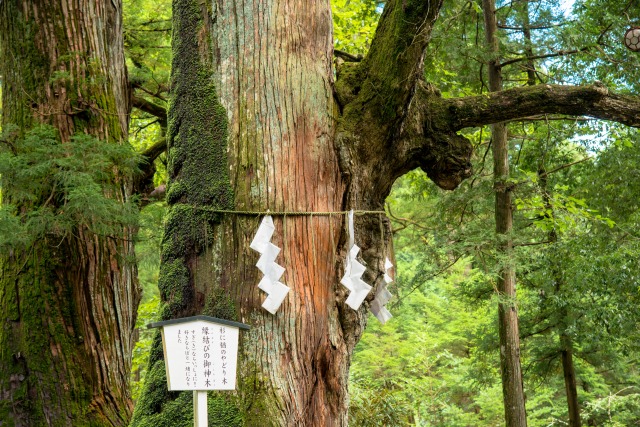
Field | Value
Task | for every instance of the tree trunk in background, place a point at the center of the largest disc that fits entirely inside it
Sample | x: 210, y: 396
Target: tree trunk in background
x: 570, y: 380
x: 565, y: 342
x: 67, y: 306
x: 512, y: 385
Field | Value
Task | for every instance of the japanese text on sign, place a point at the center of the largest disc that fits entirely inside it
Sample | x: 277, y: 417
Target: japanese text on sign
x: 200, y: 356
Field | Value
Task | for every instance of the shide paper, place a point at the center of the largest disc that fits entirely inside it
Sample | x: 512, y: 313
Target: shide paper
x: 383, y: 296
x: 270, y: 283
x: 358, y: 288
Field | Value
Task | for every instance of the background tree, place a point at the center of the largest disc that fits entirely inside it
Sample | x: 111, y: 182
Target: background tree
x: 269, y: 131
x: 512, y: 386
x: 68, y: 287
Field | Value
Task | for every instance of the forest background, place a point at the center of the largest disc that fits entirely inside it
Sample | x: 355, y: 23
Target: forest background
x: 576, y: 186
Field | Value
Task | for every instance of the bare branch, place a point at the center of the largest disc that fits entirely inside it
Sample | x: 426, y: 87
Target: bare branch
x: 566, y: 165
x: 156, y: 94
x: 533, y: 243
x: 544, y: 56
x: 533, y: 27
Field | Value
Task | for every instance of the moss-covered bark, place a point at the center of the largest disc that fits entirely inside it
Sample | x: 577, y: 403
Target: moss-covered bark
x: 68, y: 303
x: 199, y: 178
x: 273, y: 93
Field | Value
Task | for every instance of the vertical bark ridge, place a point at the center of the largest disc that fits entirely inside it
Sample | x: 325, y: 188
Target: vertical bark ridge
x: 274, y: 84
x: 267, y: 79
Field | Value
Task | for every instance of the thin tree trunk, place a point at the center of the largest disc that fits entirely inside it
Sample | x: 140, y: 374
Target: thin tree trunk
x: 512, y: 387
x: 528, y: 49
x: 571, y: 388
x: 566, y: 344
x: 67, y: 305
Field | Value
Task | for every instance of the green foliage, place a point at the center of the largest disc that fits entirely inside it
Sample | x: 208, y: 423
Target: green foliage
x: 618, y: 409
x: 147, y: 313
x: 354, y: 23
x: 147, y: 40
x: 424, y: 367
x: 50, y: 189
x: 148, y: 243
x: 577, y: 258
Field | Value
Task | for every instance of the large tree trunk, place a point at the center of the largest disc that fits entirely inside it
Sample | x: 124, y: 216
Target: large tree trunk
x: 68, y: 304
x: 269, y: 118
x: 512, y: 385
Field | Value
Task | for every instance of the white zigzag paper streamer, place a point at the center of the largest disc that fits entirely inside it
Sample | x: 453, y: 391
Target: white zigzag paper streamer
x: 270, y: 283
x: 358, y: 288
x: 383, y: 296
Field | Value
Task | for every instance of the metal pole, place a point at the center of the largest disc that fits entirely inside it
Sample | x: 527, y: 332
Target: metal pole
x: 200, y: 418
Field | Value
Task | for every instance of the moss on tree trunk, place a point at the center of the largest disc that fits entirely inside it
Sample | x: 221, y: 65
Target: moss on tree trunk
x: 68, y: 304
x: 264, y: 134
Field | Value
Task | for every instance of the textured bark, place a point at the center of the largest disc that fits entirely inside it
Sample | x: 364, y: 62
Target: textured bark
x: 68, y: 305
x: 275, y: 85
x: 512, y: 384
x: 569, y: 374
x: 63, y: 64
x: 274, y: 90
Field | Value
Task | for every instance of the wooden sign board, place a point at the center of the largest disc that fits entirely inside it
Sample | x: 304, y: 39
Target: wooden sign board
x: 200, y: 352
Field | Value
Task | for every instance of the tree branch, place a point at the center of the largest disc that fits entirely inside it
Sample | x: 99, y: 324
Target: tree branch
x: 148, y: 92
x: 143, y: 183
x: 566, y: 165
x: 393, y: 64
x: 593, y: 100
x: 429, y: 136
x: 376, y: 93
x: 533, y: 27
x: 150, y: 108
x: 157, y: 148
x: 346, y: 56
x: 543, y: 56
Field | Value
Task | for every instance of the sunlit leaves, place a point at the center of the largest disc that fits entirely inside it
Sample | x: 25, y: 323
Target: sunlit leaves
x: 354, y: 23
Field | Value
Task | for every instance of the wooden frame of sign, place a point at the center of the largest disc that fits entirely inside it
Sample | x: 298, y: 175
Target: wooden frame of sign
x: 200, y: 354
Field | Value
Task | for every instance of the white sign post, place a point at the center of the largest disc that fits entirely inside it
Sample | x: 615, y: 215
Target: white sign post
x: 200, y: 354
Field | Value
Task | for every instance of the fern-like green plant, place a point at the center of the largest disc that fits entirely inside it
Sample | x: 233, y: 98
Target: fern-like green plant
x: 51, y: 189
